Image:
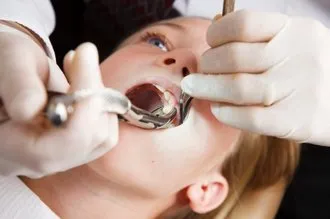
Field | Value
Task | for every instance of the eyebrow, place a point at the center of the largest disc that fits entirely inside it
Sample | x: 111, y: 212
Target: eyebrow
x: 167, y: 24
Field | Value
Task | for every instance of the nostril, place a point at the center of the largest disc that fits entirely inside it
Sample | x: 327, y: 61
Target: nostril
x: 169, y: 61
x: 185, y: 71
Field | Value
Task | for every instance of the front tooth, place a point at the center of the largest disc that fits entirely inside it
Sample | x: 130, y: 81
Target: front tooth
x: 167, y: 95
x: 160, y: 88
x: 170, y: 102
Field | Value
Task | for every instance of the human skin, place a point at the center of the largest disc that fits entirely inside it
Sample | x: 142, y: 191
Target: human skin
x: 150, y: 172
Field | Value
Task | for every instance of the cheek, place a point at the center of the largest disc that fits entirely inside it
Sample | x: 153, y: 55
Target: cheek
x: 122, y: 66
x: 142, y: 164
x: 180, y: 154
x: 202, y: 138
x: 195, y: 147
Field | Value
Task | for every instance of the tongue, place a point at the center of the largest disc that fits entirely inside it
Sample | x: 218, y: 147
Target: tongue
x: 146, y: 97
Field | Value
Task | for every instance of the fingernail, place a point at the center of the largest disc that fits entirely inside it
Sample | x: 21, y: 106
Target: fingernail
x: 217, y: 17
x: 218, y: 112
x: 68, y: 59
x: 187, y: 84
x: 86, y: 54
x: 91, y: 52
x: 223, y: 114
x: 69, y: 56
x: 215, y: 108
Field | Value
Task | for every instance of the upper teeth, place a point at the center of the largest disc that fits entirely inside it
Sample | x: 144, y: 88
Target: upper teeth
x: 160, y: 88
x: 167, y: 95
x: 170, y: 100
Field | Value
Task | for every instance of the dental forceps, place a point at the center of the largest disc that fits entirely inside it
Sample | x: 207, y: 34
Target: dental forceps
x: 185, y: 100
x: 61, y: 105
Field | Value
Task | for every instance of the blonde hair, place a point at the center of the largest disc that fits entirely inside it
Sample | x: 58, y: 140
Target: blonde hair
x: 257, y: 163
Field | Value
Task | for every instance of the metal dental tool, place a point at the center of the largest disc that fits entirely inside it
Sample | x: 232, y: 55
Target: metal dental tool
x: 116, y: 103
x: 228, y: 7
x: 185, y: 99
x: 60, y: 105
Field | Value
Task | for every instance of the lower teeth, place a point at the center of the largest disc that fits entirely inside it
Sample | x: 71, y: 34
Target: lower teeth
x: 167, y: 109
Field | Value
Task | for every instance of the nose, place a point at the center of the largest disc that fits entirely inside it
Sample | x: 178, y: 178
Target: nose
x: 179, y: 61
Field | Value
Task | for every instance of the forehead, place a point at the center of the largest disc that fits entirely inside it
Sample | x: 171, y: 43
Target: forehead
x: 194, y: 34
x: 198, y: 22
x: 192, y: 27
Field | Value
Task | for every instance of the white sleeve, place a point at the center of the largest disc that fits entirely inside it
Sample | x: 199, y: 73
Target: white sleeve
x: 36, y: 15
x: 317, y: 9
x: 17, y: 201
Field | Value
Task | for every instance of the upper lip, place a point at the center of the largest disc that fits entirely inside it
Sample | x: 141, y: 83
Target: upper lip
x: 163, y: 82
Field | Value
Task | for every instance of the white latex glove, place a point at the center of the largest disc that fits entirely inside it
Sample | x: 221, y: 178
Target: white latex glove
x: 29, y: 148
x: 268, y: 73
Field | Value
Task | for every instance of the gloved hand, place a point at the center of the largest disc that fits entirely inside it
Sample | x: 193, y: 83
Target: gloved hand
x: 27, y: 147
x: 269, y: 74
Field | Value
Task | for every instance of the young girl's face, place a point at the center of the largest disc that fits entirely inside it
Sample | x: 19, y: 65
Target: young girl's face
x: 162, y: 162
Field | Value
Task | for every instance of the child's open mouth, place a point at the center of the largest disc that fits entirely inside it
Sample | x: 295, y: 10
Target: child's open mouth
x: 152, y: 98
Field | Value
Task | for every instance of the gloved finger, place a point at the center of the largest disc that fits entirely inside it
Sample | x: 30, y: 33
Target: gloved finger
x: 89, y: 126
x: 113, y: 129
x: 83, y: 69
x: 16, y: 160
x: 238, y: 57
x: 238, y: 89
x: 99, y: 128
x: 67, y: 62
x: 250, y: 118
x: 22, y: 88
x: 88, y: 135
x: 109, y: 143
x: 56, y: 81
x: 84, y: 72
x: 245, y: 26
x: 69, y: 146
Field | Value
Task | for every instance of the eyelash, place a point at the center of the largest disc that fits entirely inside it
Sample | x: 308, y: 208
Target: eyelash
x: 149, y: 35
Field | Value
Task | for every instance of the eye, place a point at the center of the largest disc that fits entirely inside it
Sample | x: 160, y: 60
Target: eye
x: 158, y: 40
x: 159, y: 43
